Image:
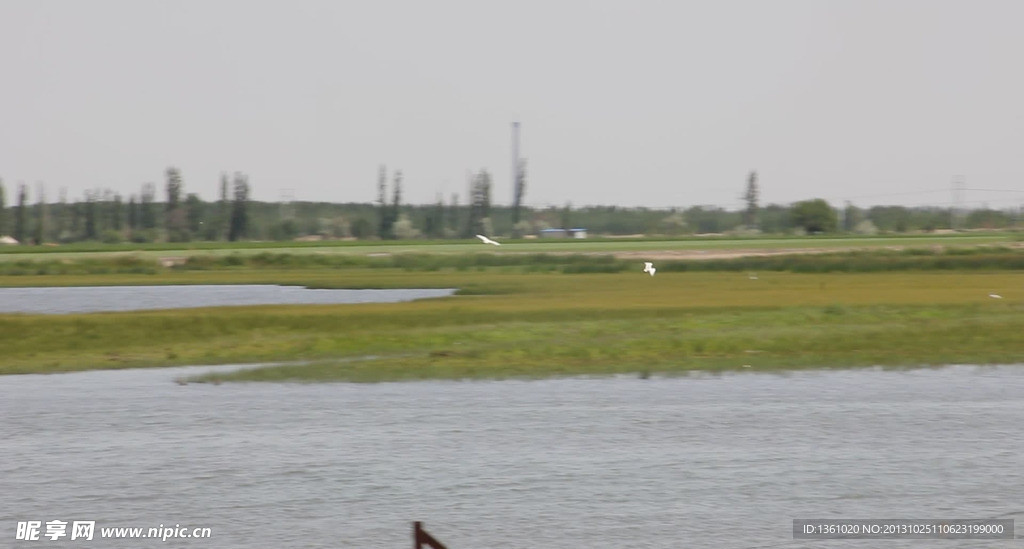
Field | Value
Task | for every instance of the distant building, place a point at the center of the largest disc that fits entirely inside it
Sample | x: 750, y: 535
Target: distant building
x: 563, y: 233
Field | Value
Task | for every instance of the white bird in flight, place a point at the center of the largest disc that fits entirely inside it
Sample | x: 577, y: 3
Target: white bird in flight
x: 649, y: 267
x: 486, y: 240
x: 995, y: 296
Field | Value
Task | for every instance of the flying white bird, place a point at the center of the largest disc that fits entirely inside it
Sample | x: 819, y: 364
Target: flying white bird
x: 486, y: 240
x: 995, y: 296
x: 649, y: 267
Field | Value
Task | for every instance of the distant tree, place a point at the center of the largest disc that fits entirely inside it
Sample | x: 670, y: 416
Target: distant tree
x: 19, y: 214
x: 76, y: 221
x: 396, y: 203
x: 852, y: 216
x: 223, y: 210
x: 452, y: 230
x: 865, y: 227
x: 117, y: 213
x: 147, y: 210
x: 750, y: 197
x: 239, y: 208
x: 566, y: 217
x: 175, y: 217
x: 987, y: 218
x: 41, y: 214
x: 194, y: 213
x: 890, y: 218
x: 286, y: 229
x: 63, y: 215
x: 361, y: 228
x: 383, y: 214
x: 403, y: 228
x: 814, y: 216
x: 3, y: 210
x: 133, y: 214
x: 435, y: 221
x: 674, y: 224
x: 90, y: 215
x: 520, y: 191
x: 105, y: 214
x: 706, y: 219
x: 480, y: 204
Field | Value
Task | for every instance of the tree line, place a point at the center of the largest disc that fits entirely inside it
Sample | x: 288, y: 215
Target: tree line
x: 180, y: 216
x: 103, y: 215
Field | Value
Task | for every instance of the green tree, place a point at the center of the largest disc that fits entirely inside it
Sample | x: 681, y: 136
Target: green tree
x: 64, y: 216
x: 194, y: 214
x: 396, y: 204
x: 175, y: 217
x: 19, y: 214
x: 814, y: 216
x: 361, y: 228
x: 90, y: 216
x: 435, y: 224
x: 452, y: 230
x: 852, y: 216
x: 3, y: 210
x: 480, y: 204
x: 239, y: 208
x: 707, y: 220
x: 117, y: 213
x: 750, y: 197
x: 223, y: 210
x: 890, y: 218
x: 76, y: 221
x: 383, y: 215
x: 403, y: 228
x: 133, y: 214
x: 147, y: 210
x: 41, y: 214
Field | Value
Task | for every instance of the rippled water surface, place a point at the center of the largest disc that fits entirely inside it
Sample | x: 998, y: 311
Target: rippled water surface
x: 700, y: 461
x: 90, y: 299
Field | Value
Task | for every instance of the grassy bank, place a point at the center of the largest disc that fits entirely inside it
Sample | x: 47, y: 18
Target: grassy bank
x: 543, y: 323
x: 156, y: 251
x: 986, y: 257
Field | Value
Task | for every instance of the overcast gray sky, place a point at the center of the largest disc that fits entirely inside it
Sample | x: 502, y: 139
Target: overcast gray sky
x: 631, y: 103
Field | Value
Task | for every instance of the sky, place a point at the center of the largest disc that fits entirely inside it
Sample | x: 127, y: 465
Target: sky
x: 629, y: 103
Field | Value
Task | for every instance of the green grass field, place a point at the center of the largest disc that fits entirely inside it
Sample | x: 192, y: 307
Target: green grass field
x: 514, y: 322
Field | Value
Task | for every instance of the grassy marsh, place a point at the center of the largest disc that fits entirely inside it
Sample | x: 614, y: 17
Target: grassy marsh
x: 516, y: 322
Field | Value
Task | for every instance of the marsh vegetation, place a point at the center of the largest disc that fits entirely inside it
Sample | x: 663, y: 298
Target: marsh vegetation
x: 542, y: 314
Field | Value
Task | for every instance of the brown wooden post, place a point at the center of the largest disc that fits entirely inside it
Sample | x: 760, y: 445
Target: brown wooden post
x: 420, y: 538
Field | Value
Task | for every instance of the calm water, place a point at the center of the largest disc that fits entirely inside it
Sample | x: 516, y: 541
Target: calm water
x: 90, y: 299
x: 701, y: 461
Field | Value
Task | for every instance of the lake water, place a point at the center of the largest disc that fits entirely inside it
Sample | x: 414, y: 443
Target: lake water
x: 725, y: 461
x: 90, y: 299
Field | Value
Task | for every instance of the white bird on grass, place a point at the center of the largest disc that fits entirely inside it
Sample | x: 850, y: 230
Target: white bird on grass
x: 649, y: 267
x: 486, y: 240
